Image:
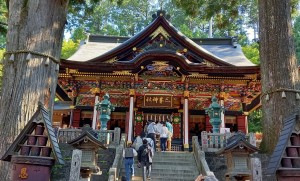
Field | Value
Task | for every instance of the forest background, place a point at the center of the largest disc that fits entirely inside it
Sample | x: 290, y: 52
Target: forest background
x: 130, y: 17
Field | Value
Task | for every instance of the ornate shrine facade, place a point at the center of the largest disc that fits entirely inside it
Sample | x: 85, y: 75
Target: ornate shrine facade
x: 158, y: 74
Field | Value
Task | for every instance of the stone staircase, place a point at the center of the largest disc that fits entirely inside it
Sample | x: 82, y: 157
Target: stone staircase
x: 169, y: 166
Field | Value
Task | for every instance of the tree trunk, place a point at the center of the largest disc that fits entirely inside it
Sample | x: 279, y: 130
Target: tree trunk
x: 36, y: 26
x: 278, y: 68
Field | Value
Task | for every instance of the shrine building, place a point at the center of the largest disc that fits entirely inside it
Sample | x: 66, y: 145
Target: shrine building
x: 158, y: 74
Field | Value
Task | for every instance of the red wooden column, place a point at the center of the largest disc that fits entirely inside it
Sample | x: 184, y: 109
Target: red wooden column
x: 76, y: 118
x: 208, y: 126
x: 242, y: 123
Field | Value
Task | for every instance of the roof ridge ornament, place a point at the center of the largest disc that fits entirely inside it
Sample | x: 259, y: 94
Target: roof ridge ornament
x: 161, y: 13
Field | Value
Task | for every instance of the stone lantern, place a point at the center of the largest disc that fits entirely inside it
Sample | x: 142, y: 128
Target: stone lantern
x: 105, y: 107
x: 237, y: 155
x: 88, y: 143
x: 214, y: 112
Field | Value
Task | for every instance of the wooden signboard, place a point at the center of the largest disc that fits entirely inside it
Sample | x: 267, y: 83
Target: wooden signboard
x: 157, y: 100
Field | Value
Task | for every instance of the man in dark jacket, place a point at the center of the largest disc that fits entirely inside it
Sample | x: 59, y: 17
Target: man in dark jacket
x: 145, y: 159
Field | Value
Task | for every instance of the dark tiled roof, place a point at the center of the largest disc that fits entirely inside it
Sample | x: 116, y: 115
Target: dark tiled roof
x: 89, y: 133
x: 279, y: 150
x: 41, y: 116
x: 237, y: 140
x: 222, y: 51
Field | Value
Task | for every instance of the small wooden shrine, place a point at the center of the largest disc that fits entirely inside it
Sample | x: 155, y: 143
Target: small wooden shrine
x: 35, y: 150
x: 237, y: 154
x: 158, y: 74
x: 88, y: 143
x: 285, y: 160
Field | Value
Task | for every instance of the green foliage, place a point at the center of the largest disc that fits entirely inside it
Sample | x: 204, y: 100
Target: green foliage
x: 3, y: 23
x: 297, y: 37
x: 68, y: 48
x: 1, y: 66
x: 255, y: 121
x: 252, y: 53
x: 131, y: 17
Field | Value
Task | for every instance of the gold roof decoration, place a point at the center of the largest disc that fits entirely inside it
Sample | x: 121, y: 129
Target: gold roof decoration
x: 71, y: 71
x: 122, y: 72
x: 251, y: 76
x: 196, y: 74
x: 160, y: 30
x: 160, y: 63
x: 112, y: 60
x: 209, y: 64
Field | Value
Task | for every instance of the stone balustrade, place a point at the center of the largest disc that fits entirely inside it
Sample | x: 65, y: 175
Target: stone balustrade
x: 107, y: 136
x: 200, y: 159
x: 212, y: 142
x: 114, y: 171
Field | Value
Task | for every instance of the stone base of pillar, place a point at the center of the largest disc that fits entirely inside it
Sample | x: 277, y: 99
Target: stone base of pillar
x: 186, y: 147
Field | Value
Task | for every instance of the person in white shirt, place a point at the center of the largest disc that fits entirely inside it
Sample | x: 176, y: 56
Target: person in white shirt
x: 164, y: 132
x: 152, y: 131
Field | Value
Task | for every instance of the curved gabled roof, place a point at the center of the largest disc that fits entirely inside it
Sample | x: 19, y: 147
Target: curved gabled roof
x: 99, y: 52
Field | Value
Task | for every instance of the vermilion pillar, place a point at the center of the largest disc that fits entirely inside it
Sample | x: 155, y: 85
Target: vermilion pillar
x: 131, y: 109
x: 242, y: 123
x: 186, y: 120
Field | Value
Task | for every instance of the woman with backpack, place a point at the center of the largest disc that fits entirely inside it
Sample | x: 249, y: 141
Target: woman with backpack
x: 145, y: 159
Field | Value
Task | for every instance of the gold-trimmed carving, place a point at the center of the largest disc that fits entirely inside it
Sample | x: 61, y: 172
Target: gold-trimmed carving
x: 122, y: 72
x: 95, y: 90
x: 160, y: 30
x: 186, y: 94
x: 112, y: 60
x: 131, y: 92
x: 71, y: 71
x: 209, y: 64
x: 160, y: 63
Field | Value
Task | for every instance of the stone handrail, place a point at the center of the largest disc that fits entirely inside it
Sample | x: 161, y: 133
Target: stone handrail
x: 111, y: 136
x: 200, y: 159
x: 212, y: 142
x: 114, y: 171
x: 66, y: 135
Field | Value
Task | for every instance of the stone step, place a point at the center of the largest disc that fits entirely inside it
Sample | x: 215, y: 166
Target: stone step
x: 167, y: 166
x: 174, y: 159
x: 172, y: 162
x: 165, y: 171
x: 139, y: 178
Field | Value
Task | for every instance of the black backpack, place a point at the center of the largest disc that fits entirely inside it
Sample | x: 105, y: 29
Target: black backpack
x: 146, y: 151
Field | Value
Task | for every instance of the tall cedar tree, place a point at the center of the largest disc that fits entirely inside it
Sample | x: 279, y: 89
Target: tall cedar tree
x: 277, y: 56
x: 278, y: 68
x: 33, y: 25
